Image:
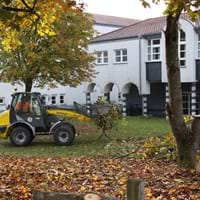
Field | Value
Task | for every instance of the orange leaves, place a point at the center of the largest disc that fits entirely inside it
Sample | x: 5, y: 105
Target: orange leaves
x: 20, y: 176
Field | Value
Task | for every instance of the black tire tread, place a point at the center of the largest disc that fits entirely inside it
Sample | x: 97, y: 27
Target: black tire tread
x: 29, y: 136
x: 67, y: 128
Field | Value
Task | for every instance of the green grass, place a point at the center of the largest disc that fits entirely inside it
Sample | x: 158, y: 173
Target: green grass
x: 87, y: 142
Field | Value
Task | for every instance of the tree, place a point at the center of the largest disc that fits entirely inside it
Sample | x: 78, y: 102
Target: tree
x: 186, y: 140
x: 38, y: 15
x: 50, y: 59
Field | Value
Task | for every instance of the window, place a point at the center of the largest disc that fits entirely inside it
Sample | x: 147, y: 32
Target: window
x: 35, y: 107
x: 2, y: 100
x: 62, y: 99
x: 154, y: 50
x: 102, y: 57
x: 53, y: 99
x: 121, y: 56
x: 44, y: 99
x: 182, y: 48
x: 199, y: 45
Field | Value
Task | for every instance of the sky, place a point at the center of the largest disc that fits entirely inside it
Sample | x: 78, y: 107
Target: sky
x: 123, y: 8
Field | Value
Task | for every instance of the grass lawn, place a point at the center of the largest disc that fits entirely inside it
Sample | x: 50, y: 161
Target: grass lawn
x: 87, y: 142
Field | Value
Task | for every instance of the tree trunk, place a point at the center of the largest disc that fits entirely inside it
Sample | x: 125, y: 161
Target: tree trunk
x: 28, y: 85
x: 185, y: 139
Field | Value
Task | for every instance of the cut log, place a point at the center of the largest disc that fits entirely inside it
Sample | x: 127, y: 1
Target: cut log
x: 92, y: 197
x: 38, y: 195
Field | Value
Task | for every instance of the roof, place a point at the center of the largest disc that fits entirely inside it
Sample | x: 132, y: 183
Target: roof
x: 111, y: 20
x: 146, y: 27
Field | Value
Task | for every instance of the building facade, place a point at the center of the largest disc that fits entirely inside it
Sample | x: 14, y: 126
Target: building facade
x: 131, y: 67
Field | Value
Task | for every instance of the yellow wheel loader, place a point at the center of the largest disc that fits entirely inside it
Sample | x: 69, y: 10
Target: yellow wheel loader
x: 27, y: 117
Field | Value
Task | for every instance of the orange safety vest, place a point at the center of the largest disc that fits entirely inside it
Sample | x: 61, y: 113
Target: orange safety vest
x: 23, y: 106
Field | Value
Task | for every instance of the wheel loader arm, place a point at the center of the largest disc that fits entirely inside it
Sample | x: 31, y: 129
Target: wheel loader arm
x: 68, y: 114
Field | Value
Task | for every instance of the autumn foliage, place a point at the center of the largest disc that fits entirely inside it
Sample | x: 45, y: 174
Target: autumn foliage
x: 46, y: 46
x: 39, y: 16
x: 20, y: 176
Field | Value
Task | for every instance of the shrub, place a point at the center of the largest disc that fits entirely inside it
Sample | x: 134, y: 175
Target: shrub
x: 108, y: 114
x: 162, y: 148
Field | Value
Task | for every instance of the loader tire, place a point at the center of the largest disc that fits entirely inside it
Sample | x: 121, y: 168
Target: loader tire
x: 21, y: 136
x: 63, y: 135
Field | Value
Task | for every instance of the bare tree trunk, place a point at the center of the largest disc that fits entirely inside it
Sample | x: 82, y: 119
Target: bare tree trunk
x: 28, y: 85
x: 185, y: 139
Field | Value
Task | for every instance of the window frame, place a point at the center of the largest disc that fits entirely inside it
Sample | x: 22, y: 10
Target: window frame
x: 121, y: 56
x: 150, y: 50
x: 182, y: 42
x: 62, y: 95
x: 102, y: 57
x: 53, y: 96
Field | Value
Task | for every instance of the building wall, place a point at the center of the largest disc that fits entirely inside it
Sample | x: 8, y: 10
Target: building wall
x: 121, y: 75
x: 102, y: 29
x: 118, y: 73
x: 6, y: 91
x: 71, y: 94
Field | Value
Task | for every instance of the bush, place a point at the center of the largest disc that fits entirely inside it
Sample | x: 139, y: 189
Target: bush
x: 165, y: 147
x: 162, y: 148
x: 108, y: 115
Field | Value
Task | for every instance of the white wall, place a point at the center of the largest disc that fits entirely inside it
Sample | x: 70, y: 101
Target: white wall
x: 71, y: 94
x: 6, y: 90
x: 118, y: 73
x: 188, y: 72
x: 102, y: 29
x: 145, y: 86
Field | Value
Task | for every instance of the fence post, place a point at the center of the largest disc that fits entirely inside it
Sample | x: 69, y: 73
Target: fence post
x: 135, y: 189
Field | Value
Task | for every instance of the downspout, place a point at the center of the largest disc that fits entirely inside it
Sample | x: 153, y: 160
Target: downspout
x: 140, y: 72
x: 140, y: 65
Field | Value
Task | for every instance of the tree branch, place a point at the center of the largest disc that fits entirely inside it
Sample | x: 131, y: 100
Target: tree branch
x: 8, y: 8
x: 26, y: 5
x: 28, y: 9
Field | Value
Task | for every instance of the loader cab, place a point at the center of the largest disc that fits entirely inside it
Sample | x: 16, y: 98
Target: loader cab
x: 27, y: 107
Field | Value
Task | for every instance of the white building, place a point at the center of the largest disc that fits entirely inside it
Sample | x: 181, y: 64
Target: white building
x: 131, y: 69
x: 132, y: 66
